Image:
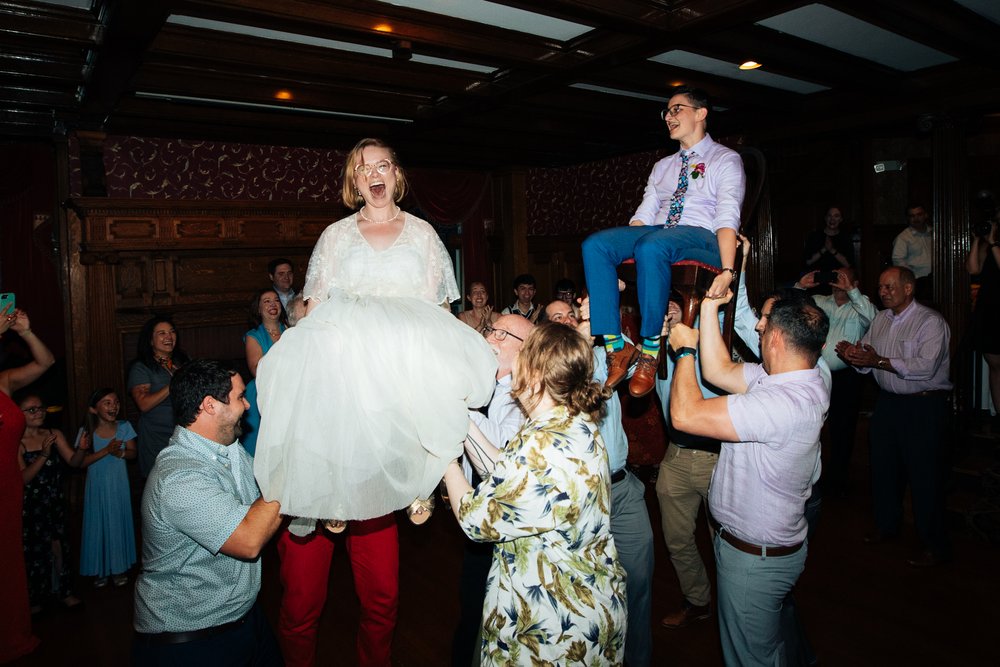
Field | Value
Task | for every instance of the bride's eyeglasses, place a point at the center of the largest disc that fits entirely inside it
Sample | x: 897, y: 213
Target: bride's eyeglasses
x: 382, y: 167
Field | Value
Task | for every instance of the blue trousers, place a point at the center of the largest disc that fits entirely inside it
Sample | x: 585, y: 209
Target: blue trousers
x: 634, y: 540
x: 654, y: 249
x: 752, y: 591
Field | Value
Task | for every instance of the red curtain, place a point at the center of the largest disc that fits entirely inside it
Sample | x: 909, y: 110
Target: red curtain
x: 453, y: 199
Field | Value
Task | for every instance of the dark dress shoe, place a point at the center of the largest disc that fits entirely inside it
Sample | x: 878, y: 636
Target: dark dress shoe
x: 644, y: 377
x: 685, y: 616
x: 618, y: 364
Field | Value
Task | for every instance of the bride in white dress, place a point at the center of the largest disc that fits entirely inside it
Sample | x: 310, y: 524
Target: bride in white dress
x: 365, y: 401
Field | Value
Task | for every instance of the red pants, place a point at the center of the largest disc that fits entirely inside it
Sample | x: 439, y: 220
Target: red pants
x: 373, y: 547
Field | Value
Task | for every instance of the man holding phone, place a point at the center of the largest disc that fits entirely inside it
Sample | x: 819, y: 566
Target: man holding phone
x: 850, y: 313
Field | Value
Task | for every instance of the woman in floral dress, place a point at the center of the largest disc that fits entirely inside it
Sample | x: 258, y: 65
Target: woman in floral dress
x: 556, y: 591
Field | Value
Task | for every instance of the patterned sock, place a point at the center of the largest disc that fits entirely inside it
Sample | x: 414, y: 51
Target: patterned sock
x: 651, y: 346
x: 613, y: 343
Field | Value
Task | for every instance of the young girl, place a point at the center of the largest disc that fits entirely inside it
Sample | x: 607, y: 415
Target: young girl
x: 108, y: 544
x: 46, y: 548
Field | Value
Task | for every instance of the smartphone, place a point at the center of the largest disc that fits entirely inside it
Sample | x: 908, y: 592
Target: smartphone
x: 826, y: 277
x: 7, y: 303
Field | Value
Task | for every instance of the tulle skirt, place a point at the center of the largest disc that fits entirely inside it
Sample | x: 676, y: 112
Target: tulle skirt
x: 364, y: 403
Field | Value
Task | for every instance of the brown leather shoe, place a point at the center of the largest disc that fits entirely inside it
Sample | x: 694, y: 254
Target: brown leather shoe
x: 618, y: 364
x: 685, y: 616
x: 644, y: 377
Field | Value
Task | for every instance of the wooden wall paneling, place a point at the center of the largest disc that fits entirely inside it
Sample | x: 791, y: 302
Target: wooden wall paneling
x: 198, y: 261
x: 951, y: 226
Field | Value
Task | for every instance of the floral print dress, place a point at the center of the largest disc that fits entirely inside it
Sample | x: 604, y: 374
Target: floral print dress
x: 556, y: 591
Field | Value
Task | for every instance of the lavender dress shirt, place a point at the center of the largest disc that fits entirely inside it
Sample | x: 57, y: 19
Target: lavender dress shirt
x: 761, y: 483
x: 712, y: 201
x: 916, y: 342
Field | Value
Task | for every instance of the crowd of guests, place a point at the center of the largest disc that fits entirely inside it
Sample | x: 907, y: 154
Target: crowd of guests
x: 516, y: 415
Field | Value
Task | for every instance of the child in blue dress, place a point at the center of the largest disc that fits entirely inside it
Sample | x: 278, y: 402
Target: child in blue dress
x: 108, y: 544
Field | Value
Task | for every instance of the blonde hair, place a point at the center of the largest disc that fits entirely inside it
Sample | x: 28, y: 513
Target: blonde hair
x: 557, y: 360
x: 349, y: 194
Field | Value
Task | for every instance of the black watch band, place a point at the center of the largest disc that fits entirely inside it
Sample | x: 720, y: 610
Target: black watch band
x: 683, y: 352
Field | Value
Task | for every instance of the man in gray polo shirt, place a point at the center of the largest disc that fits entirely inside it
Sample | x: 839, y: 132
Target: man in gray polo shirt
x: 203, y: 527
x: 769, y: 426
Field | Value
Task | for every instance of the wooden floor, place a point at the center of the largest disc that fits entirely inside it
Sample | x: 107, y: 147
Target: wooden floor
x: 861, y: 605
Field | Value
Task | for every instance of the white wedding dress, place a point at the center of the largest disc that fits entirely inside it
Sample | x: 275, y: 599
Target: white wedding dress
x: 365, y: 401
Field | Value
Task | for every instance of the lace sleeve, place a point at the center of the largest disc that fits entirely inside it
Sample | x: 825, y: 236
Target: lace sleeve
x: 320, y: 276
x: 440, y: 285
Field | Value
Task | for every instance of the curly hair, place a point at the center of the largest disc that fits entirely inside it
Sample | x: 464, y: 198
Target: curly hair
x: 557, y: 360
x: 144, y: 345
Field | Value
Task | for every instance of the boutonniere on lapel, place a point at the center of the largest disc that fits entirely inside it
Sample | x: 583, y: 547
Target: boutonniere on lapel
x: 698, y: 170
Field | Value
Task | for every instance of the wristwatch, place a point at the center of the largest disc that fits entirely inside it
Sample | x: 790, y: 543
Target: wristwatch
x: 883, y: 364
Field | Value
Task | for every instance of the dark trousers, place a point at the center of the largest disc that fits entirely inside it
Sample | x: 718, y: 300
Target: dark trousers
x: 250, y: 644
x: 842, y: 421
x: 476, y: 563
x: 907, y: 443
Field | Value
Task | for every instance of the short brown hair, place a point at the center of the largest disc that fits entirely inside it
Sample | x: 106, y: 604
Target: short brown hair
x: 349, y: 194
x: 560, y: 361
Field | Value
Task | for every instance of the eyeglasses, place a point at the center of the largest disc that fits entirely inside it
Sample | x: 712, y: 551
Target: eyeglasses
x: 34, y: 409
x: 382, y: 167
x: 674, y: 110
x: 499, y: 333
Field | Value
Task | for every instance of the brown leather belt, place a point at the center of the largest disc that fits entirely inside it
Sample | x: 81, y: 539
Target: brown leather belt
x: 756, y: 550
x: 618, y: 476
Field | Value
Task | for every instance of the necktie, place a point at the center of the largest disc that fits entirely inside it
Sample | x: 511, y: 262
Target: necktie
x: 677, y: 199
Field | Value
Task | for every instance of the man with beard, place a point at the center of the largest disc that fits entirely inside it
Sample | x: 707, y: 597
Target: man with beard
x: 203, y: 527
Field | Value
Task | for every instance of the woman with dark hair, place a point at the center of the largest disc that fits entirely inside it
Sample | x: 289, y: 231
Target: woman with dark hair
x: 269, y: 321
x: 15, y: 630
x: 830, y: 247
x: 108, y: 541
x: 556, y: 591
x: 158, y: 355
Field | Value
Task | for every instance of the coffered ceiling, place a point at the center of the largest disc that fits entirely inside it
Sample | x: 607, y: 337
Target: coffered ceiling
x: 482, y: 84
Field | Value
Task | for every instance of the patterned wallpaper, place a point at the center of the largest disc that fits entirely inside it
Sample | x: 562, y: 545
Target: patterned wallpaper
x: 587, y: 197
x: 568, y: 200
x: 150, y: 168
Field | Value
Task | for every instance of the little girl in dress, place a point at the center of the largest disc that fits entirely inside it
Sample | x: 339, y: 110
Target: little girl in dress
x: 108, y: 544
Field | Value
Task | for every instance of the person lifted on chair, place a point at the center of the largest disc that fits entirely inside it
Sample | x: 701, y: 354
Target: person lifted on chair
x: 690, y: 210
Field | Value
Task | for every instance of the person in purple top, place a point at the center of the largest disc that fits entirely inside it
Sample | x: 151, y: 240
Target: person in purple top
x: 769, y: 425
x: 906, y: 349
x: 690, y: 210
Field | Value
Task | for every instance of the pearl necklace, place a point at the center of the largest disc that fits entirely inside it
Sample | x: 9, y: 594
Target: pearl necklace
x: 361, y: 212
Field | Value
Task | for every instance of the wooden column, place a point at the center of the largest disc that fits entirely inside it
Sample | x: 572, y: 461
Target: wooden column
x: 951, y: 225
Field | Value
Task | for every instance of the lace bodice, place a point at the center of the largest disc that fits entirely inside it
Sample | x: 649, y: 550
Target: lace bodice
x: 415, y: 265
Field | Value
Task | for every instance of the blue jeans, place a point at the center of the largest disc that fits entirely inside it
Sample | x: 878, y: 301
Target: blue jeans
x: 634, y: 540
x: 751, y: 592
x: 655, y: 249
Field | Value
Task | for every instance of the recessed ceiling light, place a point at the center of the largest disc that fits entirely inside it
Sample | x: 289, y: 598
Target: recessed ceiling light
x: 283, y: 95
x: 750, y: 64
x: 383, y: 27
x: 676, y: 84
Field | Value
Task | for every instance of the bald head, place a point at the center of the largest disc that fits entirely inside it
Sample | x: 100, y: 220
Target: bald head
x: 506, y: 339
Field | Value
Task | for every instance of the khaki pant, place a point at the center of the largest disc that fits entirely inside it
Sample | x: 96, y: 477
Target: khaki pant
x: 681, y: 488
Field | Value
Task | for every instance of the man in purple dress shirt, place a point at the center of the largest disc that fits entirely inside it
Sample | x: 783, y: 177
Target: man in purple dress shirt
x: 769, y: 426
x: 906, y: 349
x: 690, y: 210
